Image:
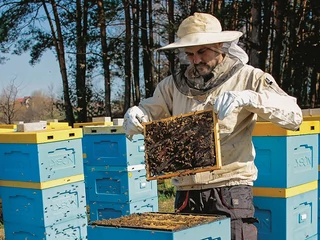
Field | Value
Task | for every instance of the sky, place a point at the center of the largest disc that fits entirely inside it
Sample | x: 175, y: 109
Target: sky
x: 39, y: 77
x: 31, y: 78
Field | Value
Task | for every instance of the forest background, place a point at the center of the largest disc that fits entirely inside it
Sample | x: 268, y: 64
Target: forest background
x: 117, y: 39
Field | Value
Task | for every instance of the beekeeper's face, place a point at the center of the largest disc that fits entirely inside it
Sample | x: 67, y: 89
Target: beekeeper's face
x: 205, y: 57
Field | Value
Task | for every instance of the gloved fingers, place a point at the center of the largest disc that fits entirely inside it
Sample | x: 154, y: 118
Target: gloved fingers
x: 220, y: 102
x: 141, y: 118
x: 136, y: 122
x: 132, y: 121
x: 130, y: 127
x: 226, y: 110
x: 136, y: 113
x: 224, y: 105
x: 227, y: 102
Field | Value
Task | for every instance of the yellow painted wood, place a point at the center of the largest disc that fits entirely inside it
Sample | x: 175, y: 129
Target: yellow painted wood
x: 103, y: 130
x: 311, y: 114
x: 270, y: 129
x: 58, y: 125
x: 41, y: 136
x: 311, y: 118
x: 284, y: 192
x: 5, y: 130
x: 8, y: 126
x: 81, y: 125
x: 42, y: 185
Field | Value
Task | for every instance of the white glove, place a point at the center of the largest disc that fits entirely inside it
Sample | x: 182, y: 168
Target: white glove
x: 132, y: 121
x: 228, y: 101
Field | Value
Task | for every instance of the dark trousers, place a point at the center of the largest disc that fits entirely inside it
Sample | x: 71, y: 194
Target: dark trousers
x: 234, y: 202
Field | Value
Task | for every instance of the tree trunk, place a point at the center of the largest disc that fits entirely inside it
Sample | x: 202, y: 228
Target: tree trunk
x: 135, y: 53
x: 315, y: 98
x: 265, y: 34
x: 147, y: 68
x: 279, y: 6
x: 171, y: 55
x: 59, y: 46
x: 215, y: 6
x: 194, y: 7
x: 147, y: 47
x: 127, y: 56
x: 290, y: 50
x: 234, y: 22
x: 151, y: 47
x: 105, y: 58
x: 255, y: 33
x: 81, y: 61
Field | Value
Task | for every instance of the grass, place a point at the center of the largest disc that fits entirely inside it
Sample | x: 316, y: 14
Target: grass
x: 166, y: 194
x: 166, y: 203
x: 2, y: 232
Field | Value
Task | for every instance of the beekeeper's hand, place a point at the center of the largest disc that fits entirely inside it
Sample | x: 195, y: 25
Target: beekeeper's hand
x: 229, y: 101
x: 132, y: 121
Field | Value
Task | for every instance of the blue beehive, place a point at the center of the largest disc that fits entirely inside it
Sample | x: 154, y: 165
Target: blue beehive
x: 287, y: 214
x: 286, y: 158
x: 163, y: 227
x: 107, y: 210
x: 44, y: 207
x: 118, y: 186
x: 75, y: 229
x: 40, y: 156
x: 312, y: 115
x: 314, y: 237
x: 109, y: 146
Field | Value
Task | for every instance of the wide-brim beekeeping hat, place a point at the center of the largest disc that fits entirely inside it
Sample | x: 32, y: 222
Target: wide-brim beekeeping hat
x: 201, y: 29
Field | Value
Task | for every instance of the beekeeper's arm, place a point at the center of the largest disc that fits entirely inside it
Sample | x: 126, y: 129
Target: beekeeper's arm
x: 269, y: 102
x: 156, y: 107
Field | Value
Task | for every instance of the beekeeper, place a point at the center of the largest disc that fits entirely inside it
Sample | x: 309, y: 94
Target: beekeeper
x: 218, y: 77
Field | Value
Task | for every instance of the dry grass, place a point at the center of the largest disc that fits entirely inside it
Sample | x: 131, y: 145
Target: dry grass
x: 1, y: 233
x: 166, y: 204
x: 166, y: 195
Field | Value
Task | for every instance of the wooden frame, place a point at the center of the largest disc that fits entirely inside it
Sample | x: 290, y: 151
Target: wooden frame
x: 173, y: 143
x: 159, y: 221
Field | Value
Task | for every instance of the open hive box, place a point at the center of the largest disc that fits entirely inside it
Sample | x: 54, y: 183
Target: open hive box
x: 152, y: 225
x: 182, y: 145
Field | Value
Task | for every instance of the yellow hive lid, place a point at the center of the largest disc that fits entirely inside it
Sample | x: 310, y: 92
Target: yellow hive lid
x: 284, y: 192
x: 8, y: 126
x: 311, y: 118
x: 42, y: 136
x: 270, y: 129
x: 81, y: 125
x: 43, y: 185
x: 103, y: 130
x: 4, y: 130
x: 311, y: 114
x: 57, y: 125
